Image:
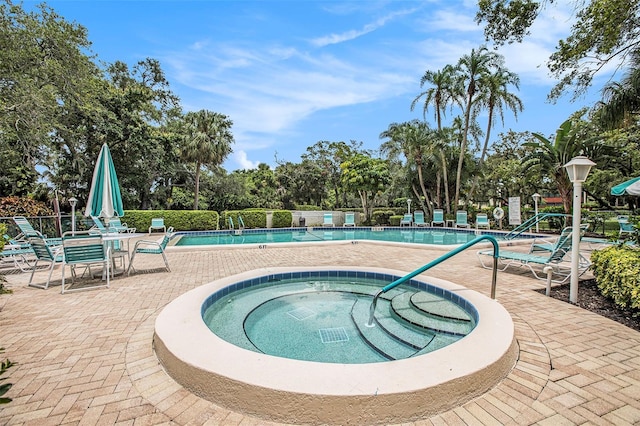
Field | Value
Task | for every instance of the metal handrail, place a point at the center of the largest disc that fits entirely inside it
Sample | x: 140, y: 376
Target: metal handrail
x: 435, y: 262
x: 529, y: 223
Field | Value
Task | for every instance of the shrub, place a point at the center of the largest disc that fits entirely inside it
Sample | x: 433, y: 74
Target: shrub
x: 383, y: 217
x: 23, y: 206
x: 617, y: 272
x: 181, y: 220
x: 282, y: 219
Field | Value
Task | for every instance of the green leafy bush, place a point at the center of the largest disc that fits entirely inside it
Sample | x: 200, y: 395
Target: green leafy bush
x: 282, y: 219
x: 181, y: 220
x: 617, y: 272
x: 383, y: 217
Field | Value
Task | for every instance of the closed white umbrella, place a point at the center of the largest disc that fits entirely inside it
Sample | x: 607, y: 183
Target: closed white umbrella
x: 105, y: 199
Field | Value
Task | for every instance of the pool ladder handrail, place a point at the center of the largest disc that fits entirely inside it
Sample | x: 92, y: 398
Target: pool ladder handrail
x: 435, y: 262
x: 530, y: 223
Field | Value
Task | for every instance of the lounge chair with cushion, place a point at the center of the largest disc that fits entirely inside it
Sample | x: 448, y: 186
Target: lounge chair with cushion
x: 482, y: 221
x: 418, y: 218
x: 328, y: 219
x: 461, y: 219
x: 84, y: 249
x: 157, y: 223
x: 536, y: 261
x: 407, y: 220
x: 349, y: 219
x: 44, y: 253
x: 438, y: 218
x: 152, y: 247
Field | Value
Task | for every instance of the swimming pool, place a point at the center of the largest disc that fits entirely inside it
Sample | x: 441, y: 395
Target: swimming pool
x: 434, y: 236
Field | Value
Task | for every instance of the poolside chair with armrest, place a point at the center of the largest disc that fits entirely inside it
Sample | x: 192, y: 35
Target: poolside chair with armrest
x: 98, y: 225
x: 26, y: 231
x: 116, y: 224
x: 152, y: 247
x: 418, y: 218
x: 328, y: 219
x: 157, y: 223
x: 349, y: 219
x: 17, y: 254
x: 44, y: 253
x: 461, y: 219
x: 84, y: 248
x: 438, y: 218
x: 536, y: 261
x: 482, y: 221
x: 626, y: 228
x: 407, y: 220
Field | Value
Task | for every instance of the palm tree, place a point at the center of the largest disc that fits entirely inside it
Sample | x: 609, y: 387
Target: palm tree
x: 550, y: 156
x: 621, y: 101
x: 410, y: 138
x: 495, y: 97
x: 472, y: 71
x: 207, y: 141
x: 440, y: 96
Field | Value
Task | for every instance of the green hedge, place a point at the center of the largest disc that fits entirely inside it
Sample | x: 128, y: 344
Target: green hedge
x: 282, y: 219
x: 617, y: 272
x: 181, y: 220
x: 256, y: 218
x: 384, y: 217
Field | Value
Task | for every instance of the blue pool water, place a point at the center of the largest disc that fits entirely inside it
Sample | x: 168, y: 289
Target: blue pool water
x: 323, y: 317
x: 438, y: 236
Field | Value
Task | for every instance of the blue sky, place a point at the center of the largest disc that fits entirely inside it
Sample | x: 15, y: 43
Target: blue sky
x: 291, y: 73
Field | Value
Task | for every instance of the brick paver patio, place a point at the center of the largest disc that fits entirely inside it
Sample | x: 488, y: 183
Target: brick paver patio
x: 87, y: 358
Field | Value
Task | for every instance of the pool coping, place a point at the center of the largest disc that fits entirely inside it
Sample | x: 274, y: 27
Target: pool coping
x: 504, y: 243
x: 317, y: 393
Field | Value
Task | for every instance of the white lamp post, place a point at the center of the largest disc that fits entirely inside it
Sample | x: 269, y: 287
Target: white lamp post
x: 408, y: 205
x: 73, y: 201
x: 536, y: 198
x: 577, y: 169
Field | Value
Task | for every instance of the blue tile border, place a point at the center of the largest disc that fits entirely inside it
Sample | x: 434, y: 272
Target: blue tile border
x: 419, y: 285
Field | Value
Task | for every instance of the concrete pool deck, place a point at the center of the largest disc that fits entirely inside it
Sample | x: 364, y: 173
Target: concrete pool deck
x: 87, y: 358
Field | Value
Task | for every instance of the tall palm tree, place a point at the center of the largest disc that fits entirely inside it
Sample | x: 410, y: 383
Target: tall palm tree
x: 410, y: 138
x: 495, y: 97
x: 472, y: 70
x: 440, y: 95
x: 620, y: 106
x: 207, y: 141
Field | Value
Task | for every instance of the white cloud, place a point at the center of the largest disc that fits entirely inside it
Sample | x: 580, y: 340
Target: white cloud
x: 353, y: 34
x: 241, y: 159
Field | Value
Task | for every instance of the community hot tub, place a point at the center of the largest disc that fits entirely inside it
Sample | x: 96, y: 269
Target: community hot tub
x: 297, y: 391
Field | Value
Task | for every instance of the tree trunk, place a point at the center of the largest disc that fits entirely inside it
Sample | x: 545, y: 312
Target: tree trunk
x: 483, y: 154
x: 463, y: 151
x: 197, y: 189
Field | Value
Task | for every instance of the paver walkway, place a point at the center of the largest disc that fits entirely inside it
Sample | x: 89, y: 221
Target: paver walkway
x: 87, y: 359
